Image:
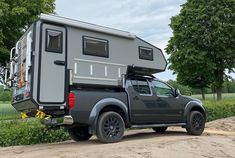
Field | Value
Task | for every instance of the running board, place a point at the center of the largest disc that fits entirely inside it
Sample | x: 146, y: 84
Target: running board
x: 158, y: 125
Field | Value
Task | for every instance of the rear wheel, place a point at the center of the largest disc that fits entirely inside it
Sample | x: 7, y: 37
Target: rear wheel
x: 195, y: 123
x: 110, y: 127
x: 79, y: 133
x: 159, y: 129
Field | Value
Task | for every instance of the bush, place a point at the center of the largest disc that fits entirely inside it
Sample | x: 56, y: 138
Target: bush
x: 4, y: 95
x: 28, y: 132
x: 219, y: 109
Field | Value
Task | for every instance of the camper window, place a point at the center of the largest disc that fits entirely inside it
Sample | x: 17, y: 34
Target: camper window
x: 53, y: 41
x: 146, y: 53
x: 96, y: 47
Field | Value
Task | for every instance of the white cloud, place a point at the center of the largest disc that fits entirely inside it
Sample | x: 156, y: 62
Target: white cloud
x: 147, y: 19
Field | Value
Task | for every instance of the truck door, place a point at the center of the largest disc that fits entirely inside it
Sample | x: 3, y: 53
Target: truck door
x: 52, y: 65
x: 142, y: 102
x: 168, y: 107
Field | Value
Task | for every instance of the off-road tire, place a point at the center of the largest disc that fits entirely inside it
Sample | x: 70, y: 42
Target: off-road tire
x: 79, y: 133
x: 195, y: 123
x: 110, y: 127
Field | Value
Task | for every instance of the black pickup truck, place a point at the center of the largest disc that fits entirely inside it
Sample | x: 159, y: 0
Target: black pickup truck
x: 146, y: 102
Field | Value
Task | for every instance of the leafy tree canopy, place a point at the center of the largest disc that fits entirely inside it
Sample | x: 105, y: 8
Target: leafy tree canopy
x: 202, y: 46
x: 15, y: 17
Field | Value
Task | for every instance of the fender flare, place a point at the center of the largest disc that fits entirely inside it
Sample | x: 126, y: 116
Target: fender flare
x: 102, y: 104
x: 191, y: 105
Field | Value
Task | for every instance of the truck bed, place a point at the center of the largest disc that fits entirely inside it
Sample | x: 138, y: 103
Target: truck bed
x: 87, y: 99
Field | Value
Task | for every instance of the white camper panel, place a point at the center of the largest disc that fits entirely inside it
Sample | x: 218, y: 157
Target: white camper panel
x: 99, y: 55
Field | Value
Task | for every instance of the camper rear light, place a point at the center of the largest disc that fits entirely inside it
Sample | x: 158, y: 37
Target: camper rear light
x: 71, y: 100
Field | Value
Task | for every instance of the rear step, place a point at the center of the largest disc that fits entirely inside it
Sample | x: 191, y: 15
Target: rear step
x: 65, y: 120
x: 158, y: 125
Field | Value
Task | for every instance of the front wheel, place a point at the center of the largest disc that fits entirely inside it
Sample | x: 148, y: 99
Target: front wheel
x: 195, y: 123
x: 79, y: 133
x: 110, y: 127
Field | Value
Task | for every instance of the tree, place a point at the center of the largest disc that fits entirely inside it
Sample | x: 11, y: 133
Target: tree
x: 229, y: 86
x: 202, y: 46
x: 15, y: 18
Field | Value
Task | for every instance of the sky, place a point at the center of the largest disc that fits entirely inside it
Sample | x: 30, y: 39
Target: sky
x: 148, y: 19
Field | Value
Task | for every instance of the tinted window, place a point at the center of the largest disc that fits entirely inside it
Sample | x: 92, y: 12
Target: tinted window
x: 141, y: 86
x: 162, y: 88
x: 135, y: 85
x: 54, y: 41
x: 95, y: 47
x: 145, y: 53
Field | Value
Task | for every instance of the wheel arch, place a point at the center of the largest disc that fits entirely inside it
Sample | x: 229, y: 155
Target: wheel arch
x: 108, y: 104
x: 194, y: 106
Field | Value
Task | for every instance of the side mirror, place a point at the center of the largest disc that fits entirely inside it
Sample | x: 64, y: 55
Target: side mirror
x: 177, y: 92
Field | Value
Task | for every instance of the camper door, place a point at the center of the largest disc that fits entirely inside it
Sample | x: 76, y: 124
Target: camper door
x: 52, y: 65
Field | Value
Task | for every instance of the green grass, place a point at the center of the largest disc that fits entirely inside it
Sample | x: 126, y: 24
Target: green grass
x: 7, y: 112
x: 5, y: 102
x: 219, y: 109
x: 225, y: 96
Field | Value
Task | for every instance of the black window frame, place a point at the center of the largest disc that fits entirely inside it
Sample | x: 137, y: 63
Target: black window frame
x: 61, y: 42
x: 145, y: 48
x: 138, y: 91
x: 106, y: 55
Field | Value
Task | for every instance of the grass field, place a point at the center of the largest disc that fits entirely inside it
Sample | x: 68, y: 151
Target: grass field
x: 225, y: 96
x: 8, y: 112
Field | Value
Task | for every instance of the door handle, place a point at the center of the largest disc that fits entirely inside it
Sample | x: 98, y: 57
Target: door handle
x: 136, y: 98
x: 59, y: 62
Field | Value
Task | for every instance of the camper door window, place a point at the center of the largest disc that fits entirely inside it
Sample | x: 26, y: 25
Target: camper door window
x: 95, y: 47
x: 54, y: 41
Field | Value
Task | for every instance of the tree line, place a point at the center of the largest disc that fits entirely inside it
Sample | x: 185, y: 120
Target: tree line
x: 228, y: 87
x: 202, y: 47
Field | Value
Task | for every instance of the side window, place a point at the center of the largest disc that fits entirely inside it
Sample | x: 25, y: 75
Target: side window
x: 135, y: 85
x: 95, y: 47
x: 141, y: 86
x: 54, y: 41
x: 146, y: 53
x: 162, y: 89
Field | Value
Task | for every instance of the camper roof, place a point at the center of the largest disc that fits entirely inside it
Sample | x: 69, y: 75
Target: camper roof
x: 87, y: 26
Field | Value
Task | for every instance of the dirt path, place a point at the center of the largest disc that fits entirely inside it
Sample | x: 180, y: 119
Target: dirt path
x: 215, y: 142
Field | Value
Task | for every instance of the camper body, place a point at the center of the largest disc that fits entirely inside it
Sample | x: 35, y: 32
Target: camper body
x: 58, y: 53
x: 81, y: 75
